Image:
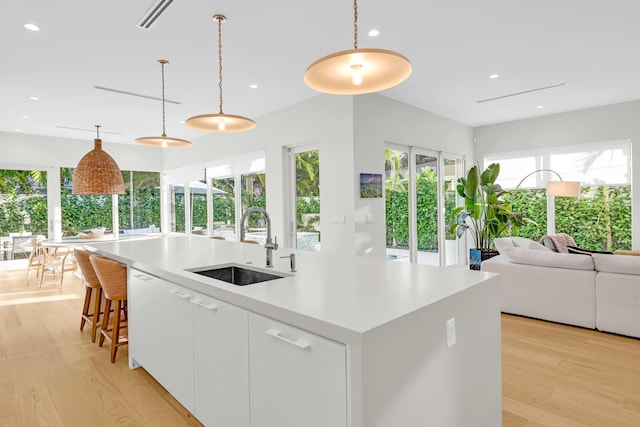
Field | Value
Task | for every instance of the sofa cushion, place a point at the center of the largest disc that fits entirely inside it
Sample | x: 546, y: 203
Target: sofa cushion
x: 617, y: 264
x: 577, y: 250
x: 548, y: 259
x: 502, y: 243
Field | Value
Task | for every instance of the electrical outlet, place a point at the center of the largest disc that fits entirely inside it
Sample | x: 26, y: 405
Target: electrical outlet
x: 451, y: 332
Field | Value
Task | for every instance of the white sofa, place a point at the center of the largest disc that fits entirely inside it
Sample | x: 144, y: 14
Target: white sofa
x: 593, y: 291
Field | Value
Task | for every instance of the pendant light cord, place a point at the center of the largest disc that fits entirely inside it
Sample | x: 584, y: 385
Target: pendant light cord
x: 97, y: 131
x: 162, y: 63
x: 355, y: 24
x: 220, y: 19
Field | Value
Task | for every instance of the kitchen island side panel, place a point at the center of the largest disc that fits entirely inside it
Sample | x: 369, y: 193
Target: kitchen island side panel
x: 411, y: 378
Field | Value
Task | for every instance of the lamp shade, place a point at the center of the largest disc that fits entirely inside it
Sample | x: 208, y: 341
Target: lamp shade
x: 376, y: 69
x: 563, y: 188
x: 97, y: 173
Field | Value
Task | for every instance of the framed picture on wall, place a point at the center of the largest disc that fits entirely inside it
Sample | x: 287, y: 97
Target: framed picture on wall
x: 370, y: 185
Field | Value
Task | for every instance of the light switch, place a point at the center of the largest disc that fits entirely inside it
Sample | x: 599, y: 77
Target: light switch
x: 451, y: 332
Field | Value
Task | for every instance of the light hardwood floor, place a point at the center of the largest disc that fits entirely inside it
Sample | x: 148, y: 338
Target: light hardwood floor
x: 52, y: 375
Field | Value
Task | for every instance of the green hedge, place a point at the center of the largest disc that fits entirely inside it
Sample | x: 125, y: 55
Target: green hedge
x: 600, y: 219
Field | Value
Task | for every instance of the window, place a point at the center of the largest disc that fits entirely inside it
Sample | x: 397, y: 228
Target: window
x: 82, y: 212
x: 420, y: 196
x: 224, y: 208
x: 600, y: 218
x: 23, y: 201
x: 139, y: 206
x: 304, y: 175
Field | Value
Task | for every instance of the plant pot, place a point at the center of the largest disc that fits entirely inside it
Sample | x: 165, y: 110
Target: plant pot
x: 476, y: 256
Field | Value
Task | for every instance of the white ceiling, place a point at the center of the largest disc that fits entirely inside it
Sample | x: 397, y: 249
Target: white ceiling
x: 592, y: 46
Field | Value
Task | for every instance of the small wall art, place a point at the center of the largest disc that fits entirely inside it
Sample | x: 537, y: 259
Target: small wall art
x: 370, y: 185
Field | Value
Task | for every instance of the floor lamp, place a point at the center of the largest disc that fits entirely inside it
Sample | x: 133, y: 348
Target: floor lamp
x: 554, y: 189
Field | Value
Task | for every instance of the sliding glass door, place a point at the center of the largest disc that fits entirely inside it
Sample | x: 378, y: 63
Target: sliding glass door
x: 420, y: 196
x: 305, y: 196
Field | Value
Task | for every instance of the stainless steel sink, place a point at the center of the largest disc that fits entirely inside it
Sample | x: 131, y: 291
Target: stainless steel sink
x: 237, y: 275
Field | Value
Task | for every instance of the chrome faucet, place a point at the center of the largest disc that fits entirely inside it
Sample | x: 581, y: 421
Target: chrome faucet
x: 270, y: 245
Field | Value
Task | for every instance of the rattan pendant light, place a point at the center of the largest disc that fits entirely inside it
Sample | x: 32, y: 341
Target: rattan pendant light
x: 163, y: 141
x: 357, y: 71
x: 97, y: 172
x: 220, y: 122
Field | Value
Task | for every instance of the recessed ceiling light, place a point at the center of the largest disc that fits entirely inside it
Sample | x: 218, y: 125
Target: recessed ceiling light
x: 32, y: 27
x: 34, y: 98
x: 540, y: 107
x: 494, y: 76
x: 374, y: 33
x: 253, y: 86
x: 26, y: 117
x: 181, y: 122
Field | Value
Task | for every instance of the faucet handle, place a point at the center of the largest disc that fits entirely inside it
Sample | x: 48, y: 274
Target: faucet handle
x: 292, y: 259
x: 275, y: 242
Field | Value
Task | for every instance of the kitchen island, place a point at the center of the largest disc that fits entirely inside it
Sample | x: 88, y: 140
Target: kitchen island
x: 343, y: 341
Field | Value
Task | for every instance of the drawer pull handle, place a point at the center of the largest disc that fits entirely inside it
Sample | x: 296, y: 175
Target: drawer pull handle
x: 211, y: 307
x: 178, y: 294
x: 298, y: 343
x: 142, y: 277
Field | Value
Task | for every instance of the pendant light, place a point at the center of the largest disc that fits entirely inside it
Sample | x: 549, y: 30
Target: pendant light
x: 164, y: 140
x: 97, y: 172
x: 220, y: 122
x: 357, y: 71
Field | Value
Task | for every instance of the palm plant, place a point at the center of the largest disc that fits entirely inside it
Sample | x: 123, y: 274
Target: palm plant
x: 485, y: 212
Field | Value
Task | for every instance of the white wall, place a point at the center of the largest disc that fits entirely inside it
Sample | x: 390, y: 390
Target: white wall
x: 378, y: 120
x: 350, y: 132
x: 322, y: 120
x: 35, y: 151
x: 612, y: 122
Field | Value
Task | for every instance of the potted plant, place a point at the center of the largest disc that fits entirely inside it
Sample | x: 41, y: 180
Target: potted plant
x: 485, y: 212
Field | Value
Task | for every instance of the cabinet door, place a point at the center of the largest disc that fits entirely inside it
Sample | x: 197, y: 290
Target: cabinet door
x: 296, y: 378
x: 161, y: 333
x: 221, y: 363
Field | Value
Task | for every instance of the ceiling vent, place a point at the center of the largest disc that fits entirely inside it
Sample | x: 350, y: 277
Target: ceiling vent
x: 124, y: 92
x: 520, y: 93
x: 153, y: 13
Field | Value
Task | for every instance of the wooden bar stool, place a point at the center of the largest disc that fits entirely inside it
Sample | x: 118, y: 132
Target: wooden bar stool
x: 92, y: 283
x: 113, y: 279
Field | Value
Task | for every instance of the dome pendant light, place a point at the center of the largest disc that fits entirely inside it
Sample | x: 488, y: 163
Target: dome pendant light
x: 97, y: 172
x: 220, y: 122
x: 163, y: 141
x: 357, y: 71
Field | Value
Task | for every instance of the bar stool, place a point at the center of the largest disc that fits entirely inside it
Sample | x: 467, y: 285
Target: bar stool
x: 113, y: 279
x: 92, y: 283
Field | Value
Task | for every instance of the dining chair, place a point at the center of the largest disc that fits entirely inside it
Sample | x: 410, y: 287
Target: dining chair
x: 35, y: 261
x: 57, y: 260
x: 113, y: 279
x: 18, y: 249
x: 91, y: 283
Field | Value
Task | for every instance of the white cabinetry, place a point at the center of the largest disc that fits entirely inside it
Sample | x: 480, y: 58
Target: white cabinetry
x: 296, y: 378
x: 161, y: 333
x: 192, y: 344
x: 221, y: 363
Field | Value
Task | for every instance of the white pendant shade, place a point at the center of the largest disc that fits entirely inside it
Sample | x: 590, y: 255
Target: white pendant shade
x: 220, y: 123
x: 162, y: 141
x: 358, y: 71
x: 563, y: 188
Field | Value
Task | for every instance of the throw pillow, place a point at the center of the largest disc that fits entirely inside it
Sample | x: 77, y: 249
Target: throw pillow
x: 503, y: 243
x: 577, y: 250
x: 548, y: 259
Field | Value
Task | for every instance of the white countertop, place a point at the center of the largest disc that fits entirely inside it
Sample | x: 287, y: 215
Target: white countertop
x: 337, y: 296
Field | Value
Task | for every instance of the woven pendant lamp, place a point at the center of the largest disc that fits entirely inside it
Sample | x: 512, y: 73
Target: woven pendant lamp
x: 97, y: 172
